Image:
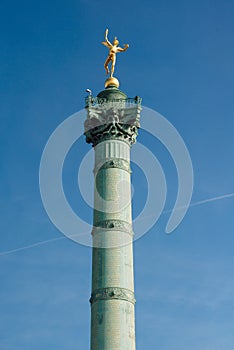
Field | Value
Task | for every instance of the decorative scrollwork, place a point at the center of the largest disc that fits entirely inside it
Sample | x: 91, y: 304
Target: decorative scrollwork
x: 112, y: 120
x: 118, y: 131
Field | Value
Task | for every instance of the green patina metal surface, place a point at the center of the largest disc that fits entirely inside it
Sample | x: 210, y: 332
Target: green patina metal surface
x: 112, y: 129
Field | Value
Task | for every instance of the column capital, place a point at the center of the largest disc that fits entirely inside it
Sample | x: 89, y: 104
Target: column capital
x: 112, y: 119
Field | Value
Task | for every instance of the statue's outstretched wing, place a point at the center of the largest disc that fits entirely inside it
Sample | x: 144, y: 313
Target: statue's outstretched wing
x: 108, y: 45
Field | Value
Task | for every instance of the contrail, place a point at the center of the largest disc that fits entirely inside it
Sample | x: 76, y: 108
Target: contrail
x: 213, y: 199
x: 204, y: 201
x: 31, y: 246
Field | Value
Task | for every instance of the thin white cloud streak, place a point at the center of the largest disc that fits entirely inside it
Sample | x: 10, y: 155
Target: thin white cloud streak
x: 229, y: 195
x: 31, y: 246
x: 204, y: 201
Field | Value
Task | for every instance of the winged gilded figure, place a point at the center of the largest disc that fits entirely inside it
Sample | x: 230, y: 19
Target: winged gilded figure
x: 114, y: 49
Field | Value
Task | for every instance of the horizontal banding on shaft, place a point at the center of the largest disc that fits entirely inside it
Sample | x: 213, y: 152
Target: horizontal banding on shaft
x: 112, y: 293
x: 114, y: 163
x: 115, y: 225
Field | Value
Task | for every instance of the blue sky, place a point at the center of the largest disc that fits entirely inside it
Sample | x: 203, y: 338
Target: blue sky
x: 180, y: 61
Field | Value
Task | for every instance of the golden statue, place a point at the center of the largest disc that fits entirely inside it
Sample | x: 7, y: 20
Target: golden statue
x: 114, y: 48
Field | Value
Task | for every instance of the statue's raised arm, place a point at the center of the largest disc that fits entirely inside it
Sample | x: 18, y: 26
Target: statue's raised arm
x: 106, y: 42
x: 114, y: 48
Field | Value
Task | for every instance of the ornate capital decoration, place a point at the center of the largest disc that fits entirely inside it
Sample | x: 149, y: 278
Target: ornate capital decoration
x: 112, y: 293
x: 115, y: 225
x: 112, y: 120
x: 115, y: 163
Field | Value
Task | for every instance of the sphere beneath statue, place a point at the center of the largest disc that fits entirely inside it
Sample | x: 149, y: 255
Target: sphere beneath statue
x: 111, y: 82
